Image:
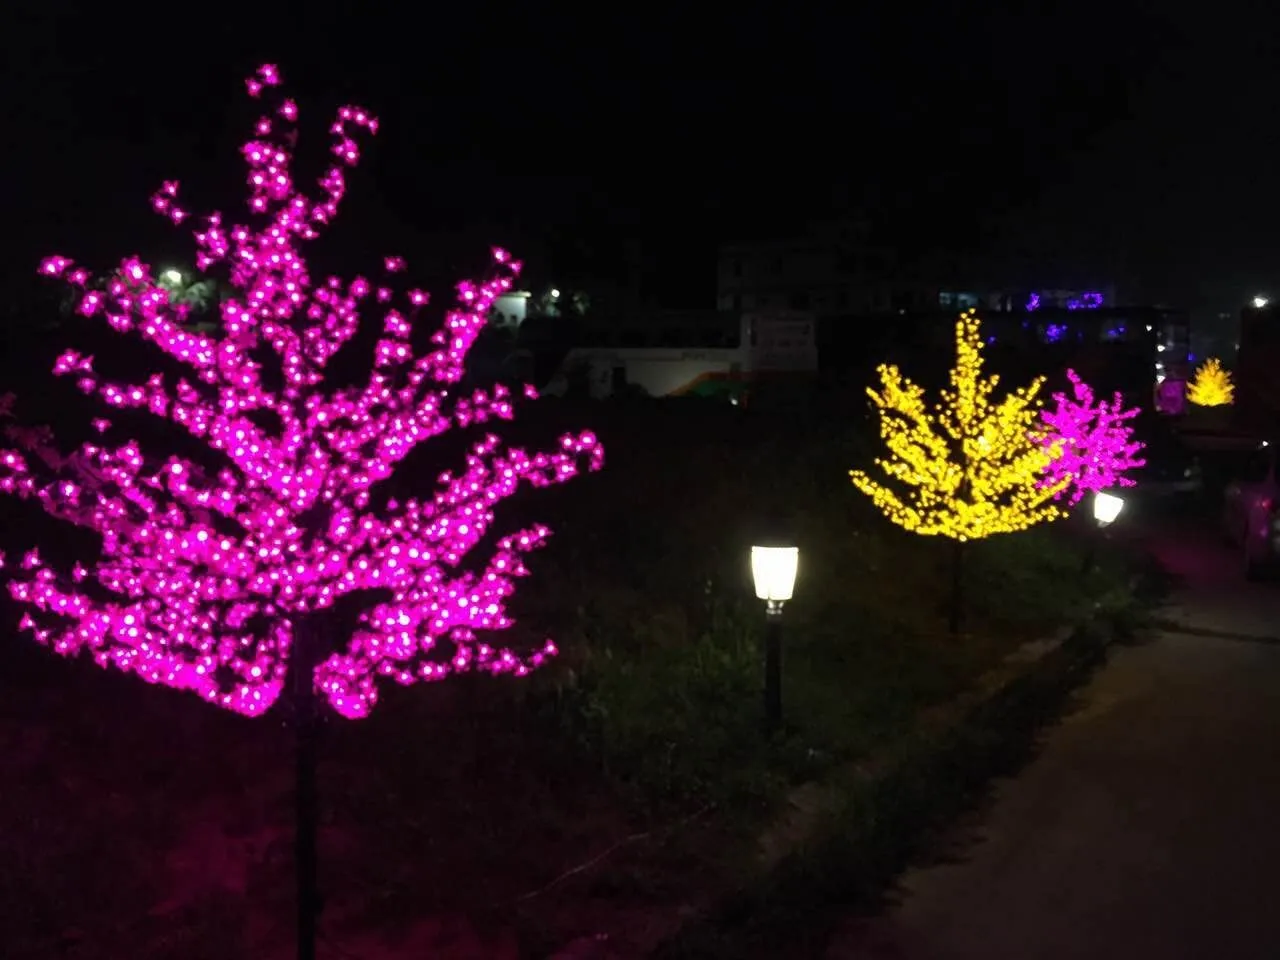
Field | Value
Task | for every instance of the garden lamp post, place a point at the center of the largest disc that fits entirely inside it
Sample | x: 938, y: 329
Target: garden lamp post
x: 774, y: 571
x: 1106, y: 507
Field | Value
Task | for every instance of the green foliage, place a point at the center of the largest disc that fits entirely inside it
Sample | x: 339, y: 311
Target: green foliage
x: 886, y: 822
x: 668, y: 705
x: 660, y: 682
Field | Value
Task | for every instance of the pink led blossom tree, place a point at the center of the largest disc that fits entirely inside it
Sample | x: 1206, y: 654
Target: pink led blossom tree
x: 224, y: 577
x: 207, y: 575
x: 1095, y: 439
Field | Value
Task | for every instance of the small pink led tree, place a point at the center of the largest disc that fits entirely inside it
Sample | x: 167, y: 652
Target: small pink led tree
x: 213, y: 579
x: 1095, y: 439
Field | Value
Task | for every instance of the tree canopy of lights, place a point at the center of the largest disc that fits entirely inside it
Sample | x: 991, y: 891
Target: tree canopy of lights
x: 970, y: 467
x: 1093, y: 440
x: 206, y: 571
x: 1211, y: 386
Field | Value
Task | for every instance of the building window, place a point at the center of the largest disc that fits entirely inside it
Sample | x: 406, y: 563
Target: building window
x: 946, y: 299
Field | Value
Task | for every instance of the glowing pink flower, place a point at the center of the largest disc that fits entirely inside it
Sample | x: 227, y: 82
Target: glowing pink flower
x: 206, y: 569
x: 1096, y: 442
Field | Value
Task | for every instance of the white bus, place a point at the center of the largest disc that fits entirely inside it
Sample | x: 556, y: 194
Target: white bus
x: 721, y: 357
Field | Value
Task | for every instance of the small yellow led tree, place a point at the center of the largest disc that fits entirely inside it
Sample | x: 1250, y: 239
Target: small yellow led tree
x: 968, y: 468
x: 1212, y: 386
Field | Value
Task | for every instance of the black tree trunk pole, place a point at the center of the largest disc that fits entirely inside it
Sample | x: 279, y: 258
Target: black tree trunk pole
x: 957, y: 587
x: 306, y: 816
x: 773, y: 671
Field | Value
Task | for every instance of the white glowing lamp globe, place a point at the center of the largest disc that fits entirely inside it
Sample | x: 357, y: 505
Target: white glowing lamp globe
x: 1260, y: 302
x: 1106, y: 507
x: 774, y: 571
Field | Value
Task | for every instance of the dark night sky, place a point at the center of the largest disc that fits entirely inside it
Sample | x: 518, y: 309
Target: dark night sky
x: 1101, y: 144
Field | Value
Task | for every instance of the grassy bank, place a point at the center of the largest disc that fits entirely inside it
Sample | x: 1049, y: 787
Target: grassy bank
x: 888, y: 821
x: 500, y: 817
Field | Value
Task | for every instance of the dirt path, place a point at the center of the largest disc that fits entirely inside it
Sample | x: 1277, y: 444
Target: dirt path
x: 1150, y: 824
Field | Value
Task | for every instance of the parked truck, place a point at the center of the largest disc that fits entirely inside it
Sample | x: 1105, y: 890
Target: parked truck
x: 1257, y: 372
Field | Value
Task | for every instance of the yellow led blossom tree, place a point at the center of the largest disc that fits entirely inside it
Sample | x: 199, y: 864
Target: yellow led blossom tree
x: 1212, y: 386
x: 967, y: 468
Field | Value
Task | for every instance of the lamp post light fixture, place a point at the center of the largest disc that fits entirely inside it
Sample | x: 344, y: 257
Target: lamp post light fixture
x: 1106, y: 507
x: 774, y: 571
x: 1260, y: 302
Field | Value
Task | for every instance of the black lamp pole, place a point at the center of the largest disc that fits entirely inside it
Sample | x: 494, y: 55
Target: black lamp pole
x: 1090, y: 551
x: 1098, y: 534
x: 773, y: 666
